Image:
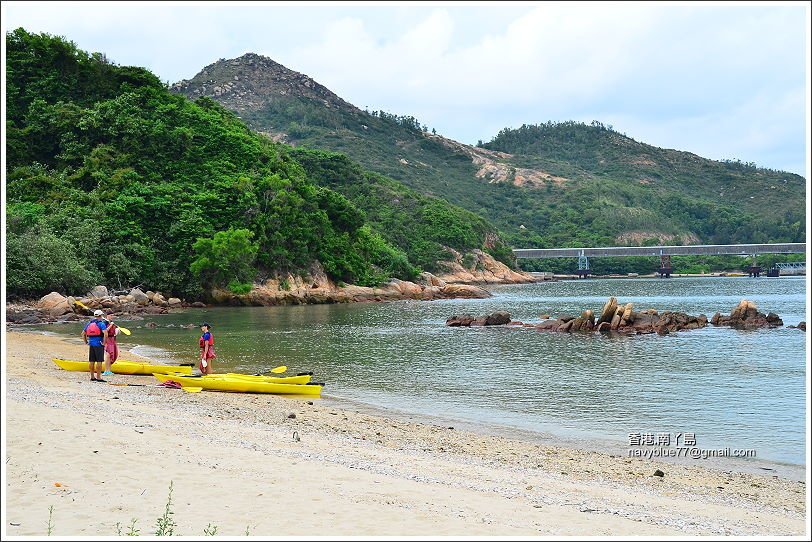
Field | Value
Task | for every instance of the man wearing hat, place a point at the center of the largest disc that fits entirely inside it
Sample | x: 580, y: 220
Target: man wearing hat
x: 94, y: 335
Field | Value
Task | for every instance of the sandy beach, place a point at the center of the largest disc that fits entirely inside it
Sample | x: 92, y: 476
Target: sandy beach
x: 102, y: 456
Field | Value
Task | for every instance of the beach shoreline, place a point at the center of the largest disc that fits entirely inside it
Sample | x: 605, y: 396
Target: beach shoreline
x: 555, y: 438
x: 354, y: 470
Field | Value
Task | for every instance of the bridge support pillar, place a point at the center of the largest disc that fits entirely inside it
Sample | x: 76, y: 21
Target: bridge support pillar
x: 665, y: 266
x: 583, y: 267
x: 754, y: 270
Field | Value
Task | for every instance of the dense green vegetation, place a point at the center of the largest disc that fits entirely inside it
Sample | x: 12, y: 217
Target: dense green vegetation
x: 421, y: 225
x: 615, y: 190
x: 112, y: 179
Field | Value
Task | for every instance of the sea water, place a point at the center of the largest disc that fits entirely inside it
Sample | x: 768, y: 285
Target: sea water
x: 724, y: 387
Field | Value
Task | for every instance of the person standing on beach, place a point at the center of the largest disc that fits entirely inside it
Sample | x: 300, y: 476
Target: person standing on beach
x: 207, y: 354
x: 111, y: 346
x: 94, y: 334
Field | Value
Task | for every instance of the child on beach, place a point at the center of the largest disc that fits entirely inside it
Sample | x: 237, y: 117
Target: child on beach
x: 111, y: 346
x: 207, y: 354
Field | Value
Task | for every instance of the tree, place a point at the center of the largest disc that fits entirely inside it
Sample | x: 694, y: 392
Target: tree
x: 226, y: 259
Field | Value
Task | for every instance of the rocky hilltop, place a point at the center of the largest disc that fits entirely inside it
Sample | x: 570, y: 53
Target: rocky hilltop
x: 253, y: 81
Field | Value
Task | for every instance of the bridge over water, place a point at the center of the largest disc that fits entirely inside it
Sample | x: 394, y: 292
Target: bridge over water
x: 663, y: 252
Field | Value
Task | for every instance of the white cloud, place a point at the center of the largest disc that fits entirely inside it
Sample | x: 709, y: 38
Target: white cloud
x: 718, y: 80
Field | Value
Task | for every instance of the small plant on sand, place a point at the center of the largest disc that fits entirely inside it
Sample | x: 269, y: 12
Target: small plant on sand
x: 133, y: 531
x: 247, y: 530
x: 50, y: 519
x: 166, y: 525
x: 210, y: 530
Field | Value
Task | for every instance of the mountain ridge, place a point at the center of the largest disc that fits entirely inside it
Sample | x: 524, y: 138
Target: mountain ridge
x: 541, y: 185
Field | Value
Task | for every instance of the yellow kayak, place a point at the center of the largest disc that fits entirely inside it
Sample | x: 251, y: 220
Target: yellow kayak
x: 125, y: 367
x: 299, y: 379
x: 243, y: 385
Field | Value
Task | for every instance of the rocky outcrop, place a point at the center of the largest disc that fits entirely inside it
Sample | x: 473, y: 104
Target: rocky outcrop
x: 316, y: 287
x: 55, y: 307
x: 746, y: 316
x: 480, y: 268
x: 618, y: 318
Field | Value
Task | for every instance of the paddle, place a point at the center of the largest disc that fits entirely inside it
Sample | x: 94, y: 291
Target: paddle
x: 124, y: 330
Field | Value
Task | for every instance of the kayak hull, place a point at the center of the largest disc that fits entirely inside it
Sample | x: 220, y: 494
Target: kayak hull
x: 301, y: 379
x: 241, y: 385
x: 125, y: 367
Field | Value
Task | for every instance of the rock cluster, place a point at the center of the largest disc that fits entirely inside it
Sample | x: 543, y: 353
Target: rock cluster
x: 55, y: 307
x: 623, y: 319
x: 620, y: 318
x: 317, y: 287
x: 746, y: 316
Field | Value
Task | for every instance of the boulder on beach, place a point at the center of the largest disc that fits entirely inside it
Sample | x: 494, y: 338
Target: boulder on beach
x: 54, y: 304
x: 139, y: 297
x: 99, y: 291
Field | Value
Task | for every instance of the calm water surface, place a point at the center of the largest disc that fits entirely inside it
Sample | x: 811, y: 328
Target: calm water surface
x: 743, y: 389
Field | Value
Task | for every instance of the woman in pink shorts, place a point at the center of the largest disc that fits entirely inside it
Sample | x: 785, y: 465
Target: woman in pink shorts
x: 111, y: 346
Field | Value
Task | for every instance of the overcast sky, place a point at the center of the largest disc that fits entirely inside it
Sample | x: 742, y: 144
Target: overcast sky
x: 724, y: 81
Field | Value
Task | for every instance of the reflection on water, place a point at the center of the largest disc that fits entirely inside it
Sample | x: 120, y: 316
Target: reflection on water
x: 743, y: 389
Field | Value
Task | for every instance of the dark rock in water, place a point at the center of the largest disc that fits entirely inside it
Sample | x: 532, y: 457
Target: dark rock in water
x: 498, y: 318
x: 25, y: 316
x: 151, y: 325
x: 69, y: 318
x: 801, y: 326
x: 549, y: 325
x: 460, y: 320
x: 198, y: 304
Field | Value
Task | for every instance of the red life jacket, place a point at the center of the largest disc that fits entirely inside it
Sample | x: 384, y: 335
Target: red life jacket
x: 93, y: 329
x: 202, y: 342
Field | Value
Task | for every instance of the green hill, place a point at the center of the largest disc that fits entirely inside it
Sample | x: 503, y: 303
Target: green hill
x: 548, y: 185
x: 112, y: 179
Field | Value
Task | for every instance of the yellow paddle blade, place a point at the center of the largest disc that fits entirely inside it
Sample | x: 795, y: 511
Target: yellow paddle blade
x: 192, y: 389
x: 125, y: 331
x: 280, y: 369
x: 81, y: 304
